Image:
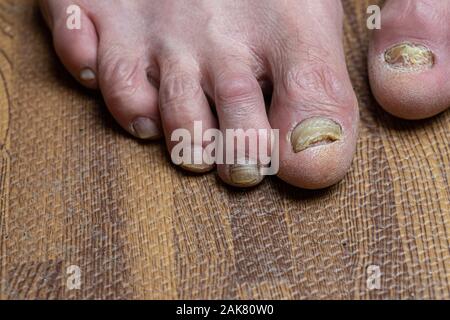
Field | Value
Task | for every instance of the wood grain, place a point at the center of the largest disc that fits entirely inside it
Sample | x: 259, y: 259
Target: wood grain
x: 6, y: 67
x: 76, y: 190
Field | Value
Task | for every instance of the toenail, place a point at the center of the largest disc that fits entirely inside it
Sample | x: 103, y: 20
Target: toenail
x: 87, y: 74
x: 314, y: 132
x: 247, y: 175
x: 198, y: 163
x: 409, y: 56
x: 145, y: 128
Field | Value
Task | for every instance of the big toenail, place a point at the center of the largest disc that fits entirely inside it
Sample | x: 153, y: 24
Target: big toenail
x: 314, y: 132
x: 245, y: 175
x: 87, y: 74
x: 409, y: 56
x: 198, y: 163
x: 145, y: 128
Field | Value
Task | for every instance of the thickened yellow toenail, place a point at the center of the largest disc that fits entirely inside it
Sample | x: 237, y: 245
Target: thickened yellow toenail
x: 197, y: 164
x: 409, y: 56
x: 245, y: 175
x: 313, y: 132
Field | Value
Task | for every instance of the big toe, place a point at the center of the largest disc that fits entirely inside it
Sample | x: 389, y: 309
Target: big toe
x: 409, y: 59
x: 315, y: 108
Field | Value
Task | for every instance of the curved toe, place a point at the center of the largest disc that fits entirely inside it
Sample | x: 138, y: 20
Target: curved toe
x: 76, y: 48
x: 185, y: 112
x: 241, y: 111
x: 130, y: 97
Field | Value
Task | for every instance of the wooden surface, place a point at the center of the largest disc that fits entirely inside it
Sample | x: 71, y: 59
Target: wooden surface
x: 76, y: 190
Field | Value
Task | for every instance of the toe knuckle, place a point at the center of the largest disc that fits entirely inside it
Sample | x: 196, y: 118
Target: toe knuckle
x: 122, y: 79
x: 317, y: 85
x: 300, y: 80
x: 179, y: 87
x: 231, y: 89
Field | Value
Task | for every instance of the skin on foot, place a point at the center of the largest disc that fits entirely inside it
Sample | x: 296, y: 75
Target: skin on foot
x: 409, y: 58
x: 157, y: 63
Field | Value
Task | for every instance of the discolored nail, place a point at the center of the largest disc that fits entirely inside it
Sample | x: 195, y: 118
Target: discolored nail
x: 198, y: 163
x: 245, y: 175
x: 409, y: 56
x: 145, y: 128
x: 313, y: 132
x: 87, y: 74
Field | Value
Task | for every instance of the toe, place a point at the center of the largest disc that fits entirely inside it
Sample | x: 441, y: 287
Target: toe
x: 77, y: 48
x: 185, y: 113
x: 243, y: 123
x: 130, y: 97
x: 409, y: 60
x: 315, y: 109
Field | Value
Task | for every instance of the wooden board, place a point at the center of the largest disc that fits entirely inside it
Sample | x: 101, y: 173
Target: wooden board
x: 76, y: 190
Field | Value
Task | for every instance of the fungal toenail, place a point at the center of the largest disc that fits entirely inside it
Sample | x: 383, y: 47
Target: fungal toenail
x: 87, y: 74
x: 409, y: 56
x: 313, y: 132
x: 145, y: 128
x: 245, y: 175
x: 197, y: 164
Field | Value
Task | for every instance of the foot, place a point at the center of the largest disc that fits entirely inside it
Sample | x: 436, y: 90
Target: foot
x: 157, y: 59
x: 409, y: 58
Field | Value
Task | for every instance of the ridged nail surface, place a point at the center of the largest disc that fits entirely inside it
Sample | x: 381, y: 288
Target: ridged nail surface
x: 245, y: 175
x: 145, y: 128
x: 409, y: 56
x: 315, y: 131
x: 197, y: 163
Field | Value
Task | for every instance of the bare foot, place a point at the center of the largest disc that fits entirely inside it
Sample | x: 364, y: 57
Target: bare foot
x: 409, y: 59
x: 225, y: 50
